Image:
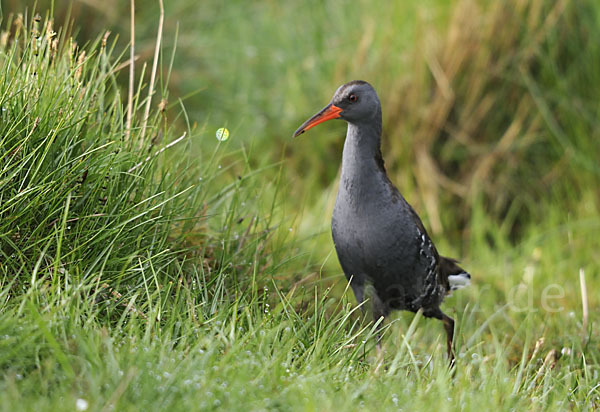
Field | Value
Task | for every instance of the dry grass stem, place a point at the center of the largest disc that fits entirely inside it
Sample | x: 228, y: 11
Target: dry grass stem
x: 131, y: 74
x: 173, y: 143
x: 154, y: 69
x: 584, y: 302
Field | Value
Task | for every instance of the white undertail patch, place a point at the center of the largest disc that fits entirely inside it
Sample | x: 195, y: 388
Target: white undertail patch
x: 459, y: 281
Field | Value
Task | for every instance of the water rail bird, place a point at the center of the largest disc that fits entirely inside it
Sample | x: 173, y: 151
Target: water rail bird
x: 379, y: 238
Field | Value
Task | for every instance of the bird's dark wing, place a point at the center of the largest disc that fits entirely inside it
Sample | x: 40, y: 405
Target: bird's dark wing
x: 450, y: 274
x: 443, y: 266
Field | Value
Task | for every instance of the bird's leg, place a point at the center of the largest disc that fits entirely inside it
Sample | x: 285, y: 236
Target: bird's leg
x: 359, y: 293
x: 379, y: 314
x: 449, y: 326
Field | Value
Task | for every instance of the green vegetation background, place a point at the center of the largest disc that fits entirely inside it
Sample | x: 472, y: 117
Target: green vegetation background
x: 204, y: 277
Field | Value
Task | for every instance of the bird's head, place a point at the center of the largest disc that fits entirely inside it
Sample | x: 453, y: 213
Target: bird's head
x: 354, y: 102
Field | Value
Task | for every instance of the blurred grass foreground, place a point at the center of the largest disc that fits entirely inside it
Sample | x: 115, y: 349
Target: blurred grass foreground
x: 144, y: 264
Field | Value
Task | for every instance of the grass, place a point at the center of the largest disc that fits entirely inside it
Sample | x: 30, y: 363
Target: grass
x: 201, y: 276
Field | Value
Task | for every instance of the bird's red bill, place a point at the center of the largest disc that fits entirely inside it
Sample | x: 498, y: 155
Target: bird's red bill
x: 330, y: 111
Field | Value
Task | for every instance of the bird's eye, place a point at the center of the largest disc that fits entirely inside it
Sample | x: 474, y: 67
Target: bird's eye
x: 353, y: 98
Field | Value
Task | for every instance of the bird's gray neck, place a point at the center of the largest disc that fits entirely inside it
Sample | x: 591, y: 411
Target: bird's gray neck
x: 362, y: 163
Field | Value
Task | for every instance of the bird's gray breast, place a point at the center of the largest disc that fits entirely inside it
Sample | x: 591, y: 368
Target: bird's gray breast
x: 375, y: 238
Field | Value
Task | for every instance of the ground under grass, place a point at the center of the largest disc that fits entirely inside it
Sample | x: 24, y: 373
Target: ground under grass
x: 520, y: 346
